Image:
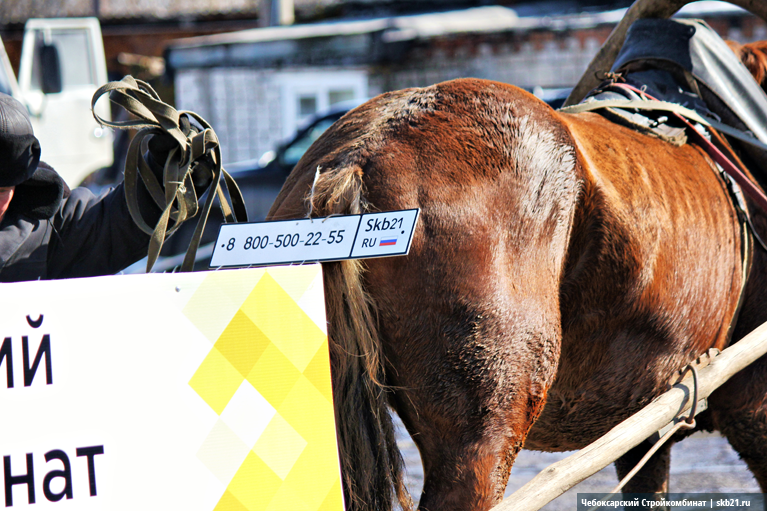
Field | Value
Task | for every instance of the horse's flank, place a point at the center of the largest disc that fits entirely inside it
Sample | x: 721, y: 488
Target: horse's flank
x: 653, y: 280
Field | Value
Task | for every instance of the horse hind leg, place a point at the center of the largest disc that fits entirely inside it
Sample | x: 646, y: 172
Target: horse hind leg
x: 653, y: 477
x: 747, y: 433
x: 471, y: 405
x: 739, y: 411
x: 468, y: 469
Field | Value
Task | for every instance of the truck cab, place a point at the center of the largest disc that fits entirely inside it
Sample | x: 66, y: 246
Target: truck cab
x: 62, y: 65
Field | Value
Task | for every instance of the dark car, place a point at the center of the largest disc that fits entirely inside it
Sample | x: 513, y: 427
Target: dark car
x: 260, y: 180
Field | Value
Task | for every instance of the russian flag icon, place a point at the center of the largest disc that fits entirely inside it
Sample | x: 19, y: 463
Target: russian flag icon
x: 387, y: 242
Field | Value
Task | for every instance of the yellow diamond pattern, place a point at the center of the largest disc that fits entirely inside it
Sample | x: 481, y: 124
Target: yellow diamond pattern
x: 280, y: 446
x: 298, y: 338
x: 223, y: 296
x: 255, y: 484
x: 316, y: 372
x: 242, y: 343
x: 273, y: 375
x: 286, y: 498
x: 216, y: 380
x: 229, y: 502
x: 334, y: 499
x: 273, y: 341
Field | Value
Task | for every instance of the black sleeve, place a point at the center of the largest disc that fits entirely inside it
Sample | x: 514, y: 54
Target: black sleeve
x: 94, y: 235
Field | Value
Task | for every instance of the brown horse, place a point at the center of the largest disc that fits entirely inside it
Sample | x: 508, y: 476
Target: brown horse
x: 562, y: 269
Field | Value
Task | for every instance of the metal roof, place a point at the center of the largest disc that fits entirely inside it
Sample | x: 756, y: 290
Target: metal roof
x: 356, y: 41
x: 422, y: 26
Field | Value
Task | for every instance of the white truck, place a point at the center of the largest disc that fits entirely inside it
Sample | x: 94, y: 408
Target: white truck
x: 62, y: 64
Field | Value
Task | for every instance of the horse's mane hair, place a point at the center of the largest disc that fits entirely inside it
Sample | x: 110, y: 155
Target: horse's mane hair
x: 754, y: 57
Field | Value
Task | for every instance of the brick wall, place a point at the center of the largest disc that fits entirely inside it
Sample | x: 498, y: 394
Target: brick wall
x: 241, y: 104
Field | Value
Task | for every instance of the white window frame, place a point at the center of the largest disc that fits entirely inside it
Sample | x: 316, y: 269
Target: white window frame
x: 319, y: 83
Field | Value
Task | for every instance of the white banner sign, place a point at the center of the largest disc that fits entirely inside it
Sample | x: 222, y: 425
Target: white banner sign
x: 195, y: 391
x: 315, y: 239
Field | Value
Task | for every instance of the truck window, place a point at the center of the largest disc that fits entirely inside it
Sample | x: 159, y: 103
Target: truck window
x: 5, y: 83
x: 7, y: 78
x: 74, y: 54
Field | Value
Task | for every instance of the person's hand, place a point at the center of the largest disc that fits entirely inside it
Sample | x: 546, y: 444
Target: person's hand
x: 160, y: 145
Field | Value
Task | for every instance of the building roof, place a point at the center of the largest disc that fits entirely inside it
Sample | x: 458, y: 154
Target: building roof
x: 18, y: 11
x: 480, y: 19
x: 356, y: 41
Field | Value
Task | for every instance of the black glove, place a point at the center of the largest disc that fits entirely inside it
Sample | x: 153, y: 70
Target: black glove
x: 159, y: 147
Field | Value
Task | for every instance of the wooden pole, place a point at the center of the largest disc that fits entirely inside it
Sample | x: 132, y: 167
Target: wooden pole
x: 563, y: 475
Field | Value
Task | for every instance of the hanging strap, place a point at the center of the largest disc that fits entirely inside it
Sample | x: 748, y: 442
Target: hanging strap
x: 195, y: 152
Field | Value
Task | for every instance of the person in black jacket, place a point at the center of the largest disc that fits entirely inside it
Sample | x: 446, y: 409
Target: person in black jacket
x: 48, y: 231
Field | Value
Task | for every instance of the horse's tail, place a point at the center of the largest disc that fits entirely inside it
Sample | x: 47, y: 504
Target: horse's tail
x: 371, y: 462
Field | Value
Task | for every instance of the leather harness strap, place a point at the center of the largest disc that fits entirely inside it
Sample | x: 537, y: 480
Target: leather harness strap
x: 195, y: 151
